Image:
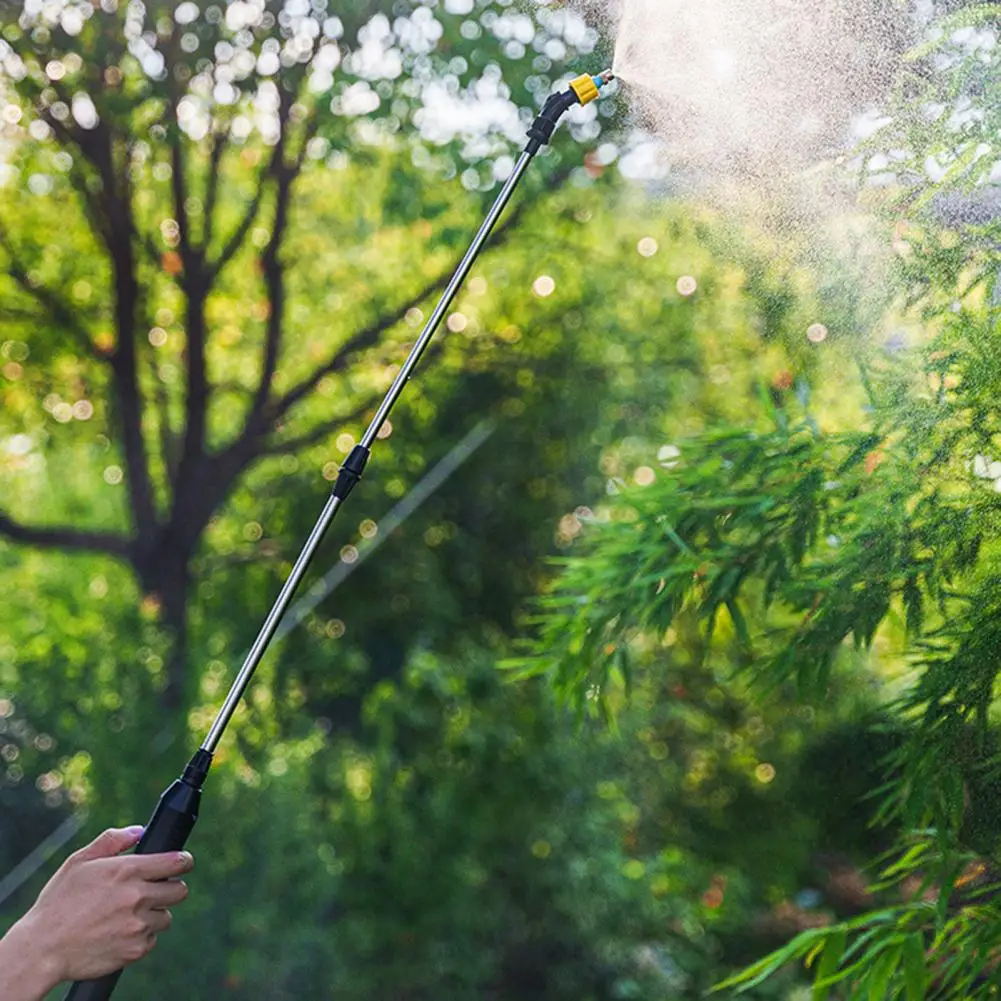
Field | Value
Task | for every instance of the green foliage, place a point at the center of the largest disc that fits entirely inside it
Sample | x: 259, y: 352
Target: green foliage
x: 387, y: 819
x: 626, y: 846
x: 785, y: 545
x: 932, y: 945
x: 798, y: 550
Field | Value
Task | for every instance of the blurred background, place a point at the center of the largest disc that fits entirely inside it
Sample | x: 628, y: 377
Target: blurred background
x: 222, y: 225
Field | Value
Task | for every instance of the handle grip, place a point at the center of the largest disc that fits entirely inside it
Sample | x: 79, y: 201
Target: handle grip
x: 167, y: 831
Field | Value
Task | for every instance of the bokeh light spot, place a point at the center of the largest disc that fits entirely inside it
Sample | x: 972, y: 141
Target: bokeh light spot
x: 634, y: 869
x: 765, y: 773
x: 668, y: 456
x: 542, y: 849
x: 544, y: 286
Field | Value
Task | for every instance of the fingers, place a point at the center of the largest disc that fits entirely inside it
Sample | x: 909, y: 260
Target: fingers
x: 109, y: 843
x: 161, y: 866
x: 140, y: 947
x: 158, y: 921
x: 165, y: 894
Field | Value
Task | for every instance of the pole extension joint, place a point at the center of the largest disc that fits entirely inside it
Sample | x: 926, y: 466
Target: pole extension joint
x: 351, y: 472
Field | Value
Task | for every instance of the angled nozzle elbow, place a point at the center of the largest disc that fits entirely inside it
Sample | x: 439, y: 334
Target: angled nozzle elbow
x: 583, y: 90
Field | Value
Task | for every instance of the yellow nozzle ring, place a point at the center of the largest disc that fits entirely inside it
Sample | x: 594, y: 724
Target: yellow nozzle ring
x: 585, y: 88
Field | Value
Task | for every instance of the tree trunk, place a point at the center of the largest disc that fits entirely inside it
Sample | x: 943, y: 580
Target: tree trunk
x: 174, y: 592
x: 165, y: 574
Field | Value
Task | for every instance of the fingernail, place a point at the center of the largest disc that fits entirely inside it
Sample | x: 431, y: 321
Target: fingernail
x: 135, y: 830
x: 186, y: 859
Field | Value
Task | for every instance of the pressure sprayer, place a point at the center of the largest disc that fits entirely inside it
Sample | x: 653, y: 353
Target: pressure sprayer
x: 177, y: 811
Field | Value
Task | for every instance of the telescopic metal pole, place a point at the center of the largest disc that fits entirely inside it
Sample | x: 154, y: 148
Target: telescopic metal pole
x: 356, y: 462
x: 176, y: 813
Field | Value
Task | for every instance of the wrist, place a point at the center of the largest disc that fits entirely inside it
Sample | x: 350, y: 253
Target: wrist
x: 28, y: 967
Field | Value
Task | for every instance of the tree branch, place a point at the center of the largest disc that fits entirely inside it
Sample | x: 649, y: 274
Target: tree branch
x: 195, y: 284
x: 272, y: 268
x: 65, y: 538
x: 239, y: 235
x: 110, y: 212
x: 273, y: 169
x: 168, y: 439
x: 370, y: 335
x: 359, y: 341
x: 290, y: 446
x: 212, y: 187
x: 177, y: 183
x: 58, y: 310
x: 121, y: 238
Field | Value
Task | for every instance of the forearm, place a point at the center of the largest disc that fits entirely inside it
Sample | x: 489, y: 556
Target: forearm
x: 27, y: 972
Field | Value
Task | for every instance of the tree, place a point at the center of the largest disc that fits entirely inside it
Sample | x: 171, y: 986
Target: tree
x: 169, y: 147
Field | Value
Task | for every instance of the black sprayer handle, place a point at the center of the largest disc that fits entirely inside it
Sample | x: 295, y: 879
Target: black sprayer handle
x: 167, y: 831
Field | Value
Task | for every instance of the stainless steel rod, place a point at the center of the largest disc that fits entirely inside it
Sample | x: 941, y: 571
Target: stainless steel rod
x: 270, y: 625
x: 446, y: 300
x: 284, y: 598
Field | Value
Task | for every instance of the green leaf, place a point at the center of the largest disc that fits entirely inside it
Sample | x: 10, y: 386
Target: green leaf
x: 915, y: 971
x: 760, y: 971
x: 879, y: 980
x: 739, y: 623
x: 834, y: 948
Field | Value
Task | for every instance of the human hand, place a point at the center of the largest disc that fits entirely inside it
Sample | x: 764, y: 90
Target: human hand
x: 101, y: 910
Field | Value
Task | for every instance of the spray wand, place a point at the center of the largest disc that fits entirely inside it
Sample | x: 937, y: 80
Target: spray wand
x: 176, y: 813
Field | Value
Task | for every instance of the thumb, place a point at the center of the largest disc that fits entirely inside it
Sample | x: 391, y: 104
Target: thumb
x: 109, y: 843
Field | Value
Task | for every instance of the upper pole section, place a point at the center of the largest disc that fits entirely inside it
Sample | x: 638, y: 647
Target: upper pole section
x: 583, y: 90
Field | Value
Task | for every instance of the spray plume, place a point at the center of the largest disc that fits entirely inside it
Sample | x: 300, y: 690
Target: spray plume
x: 755, y: 100
x: 755, y: 88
